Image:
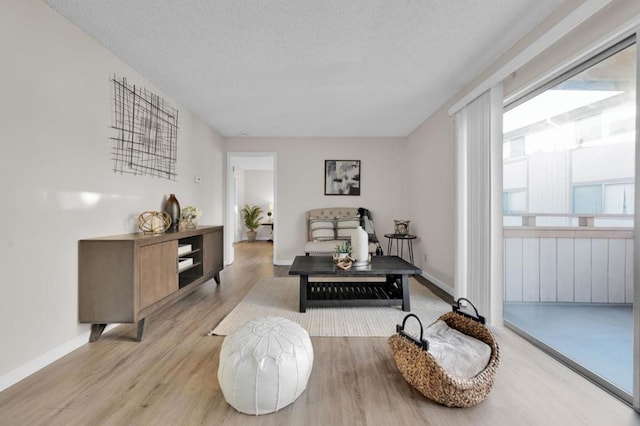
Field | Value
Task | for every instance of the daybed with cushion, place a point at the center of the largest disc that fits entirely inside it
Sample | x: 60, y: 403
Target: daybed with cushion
x: 327, y: 227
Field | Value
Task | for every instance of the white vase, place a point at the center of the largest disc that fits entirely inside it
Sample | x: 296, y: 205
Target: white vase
x: 360, y: 247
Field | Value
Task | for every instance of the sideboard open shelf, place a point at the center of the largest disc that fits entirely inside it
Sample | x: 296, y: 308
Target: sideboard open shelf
x: 194, y: 271
x: 125, y: 278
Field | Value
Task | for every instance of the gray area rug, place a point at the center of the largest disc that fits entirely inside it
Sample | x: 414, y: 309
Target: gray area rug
x: 279, y: 297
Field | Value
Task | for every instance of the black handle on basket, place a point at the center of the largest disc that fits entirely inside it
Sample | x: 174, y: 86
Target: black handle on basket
x: 420, y: 343
x: 456, y: 308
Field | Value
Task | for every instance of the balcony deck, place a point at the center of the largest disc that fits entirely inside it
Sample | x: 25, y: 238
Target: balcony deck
x: 599, y: 337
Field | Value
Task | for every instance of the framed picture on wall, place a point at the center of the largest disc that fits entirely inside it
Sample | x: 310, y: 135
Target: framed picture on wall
x: 342, y: 177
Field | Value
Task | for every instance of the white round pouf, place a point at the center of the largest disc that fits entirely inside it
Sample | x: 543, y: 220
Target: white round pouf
x: 265, y: 365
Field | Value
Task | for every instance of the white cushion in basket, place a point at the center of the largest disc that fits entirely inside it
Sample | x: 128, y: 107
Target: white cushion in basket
x: 459, y: 355
x: 265, y: 365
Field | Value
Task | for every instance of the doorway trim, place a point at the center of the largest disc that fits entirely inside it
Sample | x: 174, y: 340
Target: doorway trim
x: 231, y: 208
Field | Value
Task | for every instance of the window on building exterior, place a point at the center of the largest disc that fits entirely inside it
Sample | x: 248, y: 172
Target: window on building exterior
x: 514, y: 201
x: 513, y: 148
x: 589, y: 129
x: 608, y: 198
x: 587, y: 199
x: 622, y: 126
x: 619, y: 198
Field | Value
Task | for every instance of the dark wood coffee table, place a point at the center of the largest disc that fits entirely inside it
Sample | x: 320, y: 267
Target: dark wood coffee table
x: 394, y: 290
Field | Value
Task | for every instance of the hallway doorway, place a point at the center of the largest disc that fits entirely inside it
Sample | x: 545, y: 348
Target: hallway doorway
x: 251, y: 180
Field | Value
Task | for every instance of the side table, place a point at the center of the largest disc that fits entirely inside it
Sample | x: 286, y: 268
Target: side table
x: 400, y: 239
x: 270, y: 224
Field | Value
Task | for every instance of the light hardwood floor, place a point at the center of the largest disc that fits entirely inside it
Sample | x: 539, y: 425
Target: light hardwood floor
x: 170, y: 378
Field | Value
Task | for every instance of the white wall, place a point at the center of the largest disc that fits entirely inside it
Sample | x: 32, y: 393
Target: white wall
x: 239, y: 229
x: 56, y: 180
x: 300, y: 182
x: 430, y: 159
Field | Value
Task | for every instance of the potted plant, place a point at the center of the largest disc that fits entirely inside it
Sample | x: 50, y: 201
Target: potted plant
x: 252, y: 218
x: 342, y: 255
x: 343, y: 249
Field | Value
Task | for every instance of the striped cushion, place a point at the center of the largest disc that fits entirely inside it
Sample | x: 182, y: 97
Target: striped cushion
x: 322, y: 229
x: 345, y: 227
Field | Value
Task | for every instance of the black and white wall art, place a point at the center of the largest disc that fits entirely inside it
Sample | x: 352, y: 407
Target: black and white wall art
x: 146, y: 128
x: 342, y: 177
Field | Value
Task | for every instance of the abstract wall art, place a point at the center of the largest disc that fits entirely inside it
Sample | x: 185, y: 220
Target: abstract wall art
x: 341, y: 177
x: 146, y: 128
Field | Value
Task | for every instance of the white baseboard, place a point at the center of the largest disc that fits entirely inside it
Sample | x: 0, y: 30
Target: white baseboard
x: 25, y: 370
x: 283, y: 262
x: 440, y: 284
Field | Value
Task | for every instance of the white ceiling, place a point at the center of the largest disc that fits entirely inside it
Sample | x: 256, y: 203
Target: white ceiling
x: 292, y: 68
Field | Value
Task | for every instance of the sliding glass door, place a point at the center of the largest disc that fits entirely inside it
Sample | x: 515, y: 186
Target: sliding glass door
x: 569, y: 204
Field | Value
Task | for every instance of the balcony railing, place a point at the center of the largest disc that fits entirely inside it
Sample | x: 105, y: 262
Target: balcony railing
x: 552, y: 257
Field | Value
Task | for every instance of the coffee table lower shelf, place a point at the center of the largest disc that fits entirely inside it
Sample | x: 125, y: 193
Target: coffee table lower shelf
x: 375, y: 293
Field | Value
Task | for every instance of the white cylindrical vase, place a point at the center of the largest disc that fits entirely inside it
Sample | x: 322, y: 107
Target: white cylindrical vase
x: 360, y: 247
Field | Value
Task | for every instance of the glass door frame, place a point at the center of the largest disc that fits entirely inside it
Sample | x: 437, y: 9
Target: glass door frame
x: 594, y: 57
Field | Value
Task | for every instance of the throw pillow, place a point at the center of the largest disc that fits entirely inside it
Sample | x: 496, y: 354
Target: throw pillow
x: 322, y: 229
x: 345, y: 226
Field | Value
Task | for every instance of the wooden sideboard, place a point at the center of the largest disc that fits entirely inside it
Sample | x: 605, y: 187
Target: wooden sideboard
x: 125, y: 278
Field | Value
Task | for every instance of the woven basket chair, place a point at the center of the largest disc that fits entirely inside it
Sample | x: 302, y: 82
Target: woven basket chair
x: 421, y: 370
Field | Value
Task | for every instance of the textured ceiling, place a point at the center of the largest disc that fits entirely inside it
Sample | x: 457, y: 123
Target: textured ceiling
x: 308, y: 67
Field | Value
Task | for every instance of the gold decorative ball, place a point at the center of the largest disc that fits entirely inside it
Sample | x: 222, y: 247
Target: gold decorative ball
x: 152, y: 222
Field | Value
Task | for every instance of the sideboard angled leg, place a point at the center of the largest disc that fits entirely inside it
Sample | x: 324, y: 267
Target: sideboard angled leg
x: 96, y: 331
x: 140, y: 333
